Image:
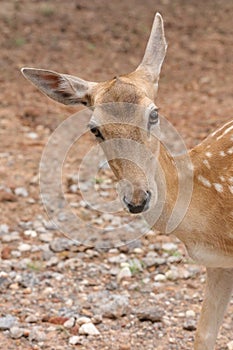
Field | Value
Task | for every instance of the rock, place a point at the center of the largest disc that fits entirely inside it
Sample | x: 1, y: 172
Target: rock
x: 88, y: 329
x: 4, y: 228
x: 115, y: 308
x: 169, y: 247
x: 190, y: 325
x: 69, y: 323
x: 124, y: 273
x: 96, y: 319
x: 46, y: 237
x: 16, y: 332
x: 230, y: 345
x: 117, y: 259
x: 190, y: 314
x: 21, y: 192
x: 32, y: 135
x: 60, y: 244
x: 75, y: 340
x: 30, y: 233
x: 24, y: 247
x: 172, y: 275
x: 149, y: 313
x: 37, y: 335
x: 7, y: 322
x: 31, y: 319
x: 10, y: 237
x: 82, y: 320
x: 160, y: 278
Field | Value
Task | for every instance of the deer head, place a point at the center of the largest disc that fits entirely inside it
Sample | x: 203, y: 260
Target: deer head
x: 124, y: 112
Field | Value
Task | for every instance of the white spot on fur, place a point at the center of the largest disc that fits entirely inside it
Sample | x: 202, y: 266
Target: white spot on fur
x: 231, y: 189
x: 228, y: 129
x: 230, y: 150
x: 222, y: 178
x: 218, y: 187
x: 204, y: 181
x: 206, y: 163
x: 222, y: 153
x: 208, y: 154
x: 231, y: 179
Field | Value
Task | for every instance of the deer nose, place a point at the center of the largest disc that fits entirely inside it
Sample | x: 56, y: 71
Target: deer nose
x: 139, y: 208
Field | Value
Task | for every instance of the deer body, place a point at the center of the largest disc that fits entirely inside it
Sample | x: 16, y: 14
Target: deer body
x: 207, y: 226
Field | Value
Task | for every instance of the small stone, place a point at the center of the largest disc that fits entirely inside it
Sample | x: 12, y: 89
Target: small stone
x: 172, y: 275
x: 160, y: 278
x: 60, y: 245
x: 21, y: 192
x: 24, y: 247
x: 169, y: 247
x: 230, y: 345
x: 10, y: 237
x: 124, y: 273
x: 190, y: 314
x: 190, y: 325
x: 88, y: 329
x: 69, y: 323
x: 16, y: 332
x: 96, y: 319
x: 4, y: 229
x: 31, y: 319
x: 150, y: 313
x: 7, y: 322
x: 75, y: 340
x: 46, y: 237
x: 30, y: 233
x: 32, y: 135
x: 82, y: 320
x: 37, y: 335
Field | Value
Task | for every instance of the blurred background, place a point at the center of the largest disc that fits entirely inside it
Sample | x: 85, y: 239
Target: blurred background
x: 97, y: 40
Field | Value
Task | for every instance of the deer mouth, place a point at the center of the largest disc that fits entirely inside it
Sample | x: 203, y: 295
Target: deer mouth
x: 138, y: 208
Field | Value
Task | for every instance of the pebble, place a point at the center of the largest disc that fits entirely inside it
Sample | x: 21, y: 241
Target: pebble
x: 24, y: 247
x: 82, y: 320
x: 124, y: 273
x: 160, y: 278
x: 10, y: 237
x: 88, y: 329
x: 16, y: 332
x: 21, y: 192
x: 190, y: 314
x: 117, y: 259
x: 169, y: 247
x: 69, y: 323
x: 30, y: 233
x: 60, y: 244
x: 190, y: 325
x: 230, y: 345
x: 37, y: 335
x: 31, y: 319
x: 46, y: 237
x: 75, y: 340
x: 7, y: 322
x: 150, y: 313
x: 4, y: 228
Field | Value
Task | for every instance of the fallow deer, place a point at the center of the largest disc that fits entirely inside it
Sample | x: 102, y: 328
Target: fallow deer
x: 207, y: 227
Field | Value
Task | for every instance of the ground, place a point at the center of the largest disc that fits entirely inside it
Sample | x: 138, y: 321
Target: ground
x: 44, y: 279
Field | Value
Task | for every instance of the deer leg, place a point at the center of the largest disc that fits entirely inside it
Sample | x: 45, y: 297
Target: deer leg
x: 217, y: 296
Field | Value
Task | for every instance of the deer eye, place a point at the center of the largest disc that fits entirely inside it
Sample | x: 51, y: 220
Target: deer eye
x: 95, y: 131
x: 153, y: 116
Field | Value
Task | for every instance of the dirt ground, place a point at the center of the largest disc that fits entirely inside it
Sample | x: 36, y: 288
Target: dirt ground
x: 97, y: 40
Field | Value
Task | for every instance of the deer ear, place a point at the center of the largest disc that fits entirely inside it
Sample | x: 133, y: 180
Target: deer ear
x: 155, y: 50
x: 63, y: 88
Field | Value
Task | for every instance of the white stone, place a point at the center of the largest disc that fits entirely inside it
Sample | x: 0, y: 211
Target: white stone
x: 169, y: 247
x: 21, y: 192
x: 83, y: 320
x: 160, y: 278
x: 230, y: 345
x: 190, y: 314
x: 75, y: 340
x: 30, y: 233
x: 124, y: 273
x: 88, y: 329
x: 69, y: 323
x: 24, y: 247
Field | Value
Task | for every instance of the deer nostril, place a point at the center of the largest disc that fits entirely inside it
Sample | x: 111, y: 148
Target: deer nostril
x: 135, y: 209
